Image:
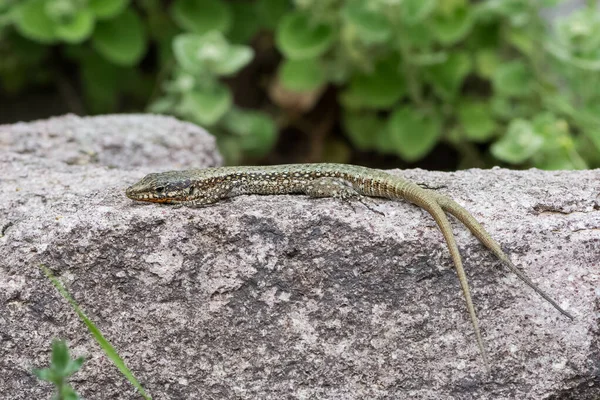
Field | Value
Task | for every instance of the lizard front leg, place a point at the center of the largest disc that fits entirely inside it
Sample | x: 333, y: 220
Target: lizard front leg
x: 214, y: 194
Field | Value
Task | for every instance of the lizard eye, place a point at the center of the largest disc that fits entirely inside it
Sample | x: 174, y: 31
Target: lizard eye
x: 159, y: 189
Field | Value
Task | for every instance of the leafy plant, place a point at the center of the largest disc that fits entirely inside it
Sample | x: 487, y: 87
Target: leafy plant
x: 65, y: 366
x: 70, y: 21
x: 497, y: 81
x: 61, y: 368
x: 196, y: 93
x: 486, y: 75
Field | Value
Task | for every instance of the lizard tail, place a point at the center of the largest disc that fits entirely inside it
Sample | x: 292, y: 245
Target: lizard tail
x: 470, y: 222
x: 423, y: 199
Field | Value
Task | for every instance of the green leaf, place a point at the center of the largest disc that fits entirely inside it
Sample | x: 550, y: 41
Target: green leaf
x: 558, y: 151
x: 302, y: 75
x: 486, y: 61
x: 210, y: 52
x: 418, y: 35
x: 384, y: 141
x: 513, y: 79
x: 447, y: 77
x: 183, y: 81
x: 236, y: 58
x: 60, y: 356
x: 451, y: 28
x: 413, y: 132
x: 32, y: 21
x: 363, y: 129
x: 518, y: 144
x: 429, y: 59
x: 202, y: 16
x: 372, y: 26
x: 68, y: 393
x: 162, y: 105
x: 590, y: 121
x: 300, y: 37
x: 416, y: 11
x: 45, y: 374
x: 229, y: 147
x: 107, y: 348
x: 476, y: 120
x: 589, y: 153
x: 523, y: 40
x: 77, y: 28
x: 206, y: 106
x: 563, y: 54
x: 271, y: 12
x: 245, y: 22
x: 508, y: 109
x: 121, y: 40
x: 380, y: 89
x: 518, y: 12
x: 74, y: 365
x: 255, y: 130
x: 103, y: 9
x: 61, y: 10
x: 101, y: 83
x: 190, y: 54
x: 580, y: 33
x: 485, y: 35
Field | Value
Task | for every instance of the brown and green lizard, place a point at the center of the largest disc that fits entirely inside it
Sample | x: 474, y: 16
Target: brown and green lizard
x: 200, y: 187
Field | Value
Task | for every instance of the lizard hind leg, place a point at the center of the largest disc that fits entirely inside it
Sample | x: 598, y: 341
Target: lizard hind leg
x: 337, y: 188
x: 331, y: 187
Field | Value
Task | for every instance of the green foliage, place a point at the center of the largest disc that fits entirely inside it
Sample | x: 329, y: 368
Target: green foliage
x: 404, y: 122
x: 104, y: 9
x: 298, y: 37
x: 492, y: 79
x: 447, y: 77
x: 108, y: 349
x: 202, y: 16
x: 61, y: 368
x: 206, y: 106
x: 71, y: 21
x: 255, y: 131
x: 380, y: 88
x: 302, y: 75
x: 122, y: 39
x: 477, y: 120
x: 513, y: 79
x: 452, y: 21
x: 211, y: 54
x: 519, y: 143
x: 245, y: 21
x: 196, y: 93
x: 370, y: 25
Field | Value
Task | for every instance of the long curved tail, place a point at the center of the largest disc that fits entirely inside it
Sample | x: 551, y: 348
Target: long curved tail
x: 429, y: 203
x: 484, y: 237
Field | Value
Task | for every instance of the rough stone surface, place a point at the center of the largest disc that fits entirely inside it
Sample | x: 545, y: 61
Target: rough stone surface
x: 117, y: 141
x: 285, y: 296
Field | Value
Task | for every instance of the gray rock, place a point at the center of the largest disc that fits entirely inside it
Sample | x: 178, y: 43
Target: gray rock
x: 286, y: 296
x: 117, y: 141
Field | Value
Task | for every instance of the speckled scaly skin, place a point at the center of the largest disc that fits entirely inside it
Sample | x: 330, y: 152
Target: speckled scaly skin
x: 201, y: 187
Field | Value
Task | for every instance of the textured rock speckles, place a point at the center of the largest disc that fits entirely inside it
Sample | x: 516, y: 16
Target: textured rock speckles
x: 286, y: 296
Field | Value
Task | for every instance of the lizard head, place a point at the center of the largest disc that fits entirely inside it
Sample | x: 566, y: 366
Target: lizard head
x: 164, y: 187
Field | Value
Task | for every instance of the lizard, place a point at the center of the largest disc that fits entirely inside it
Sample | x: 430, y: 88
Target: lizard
x: 203, y: 187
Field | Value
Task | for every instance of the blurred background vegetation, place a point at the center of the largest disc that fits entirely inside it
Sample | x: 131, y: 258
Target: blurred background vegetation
x: 440, y: 84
